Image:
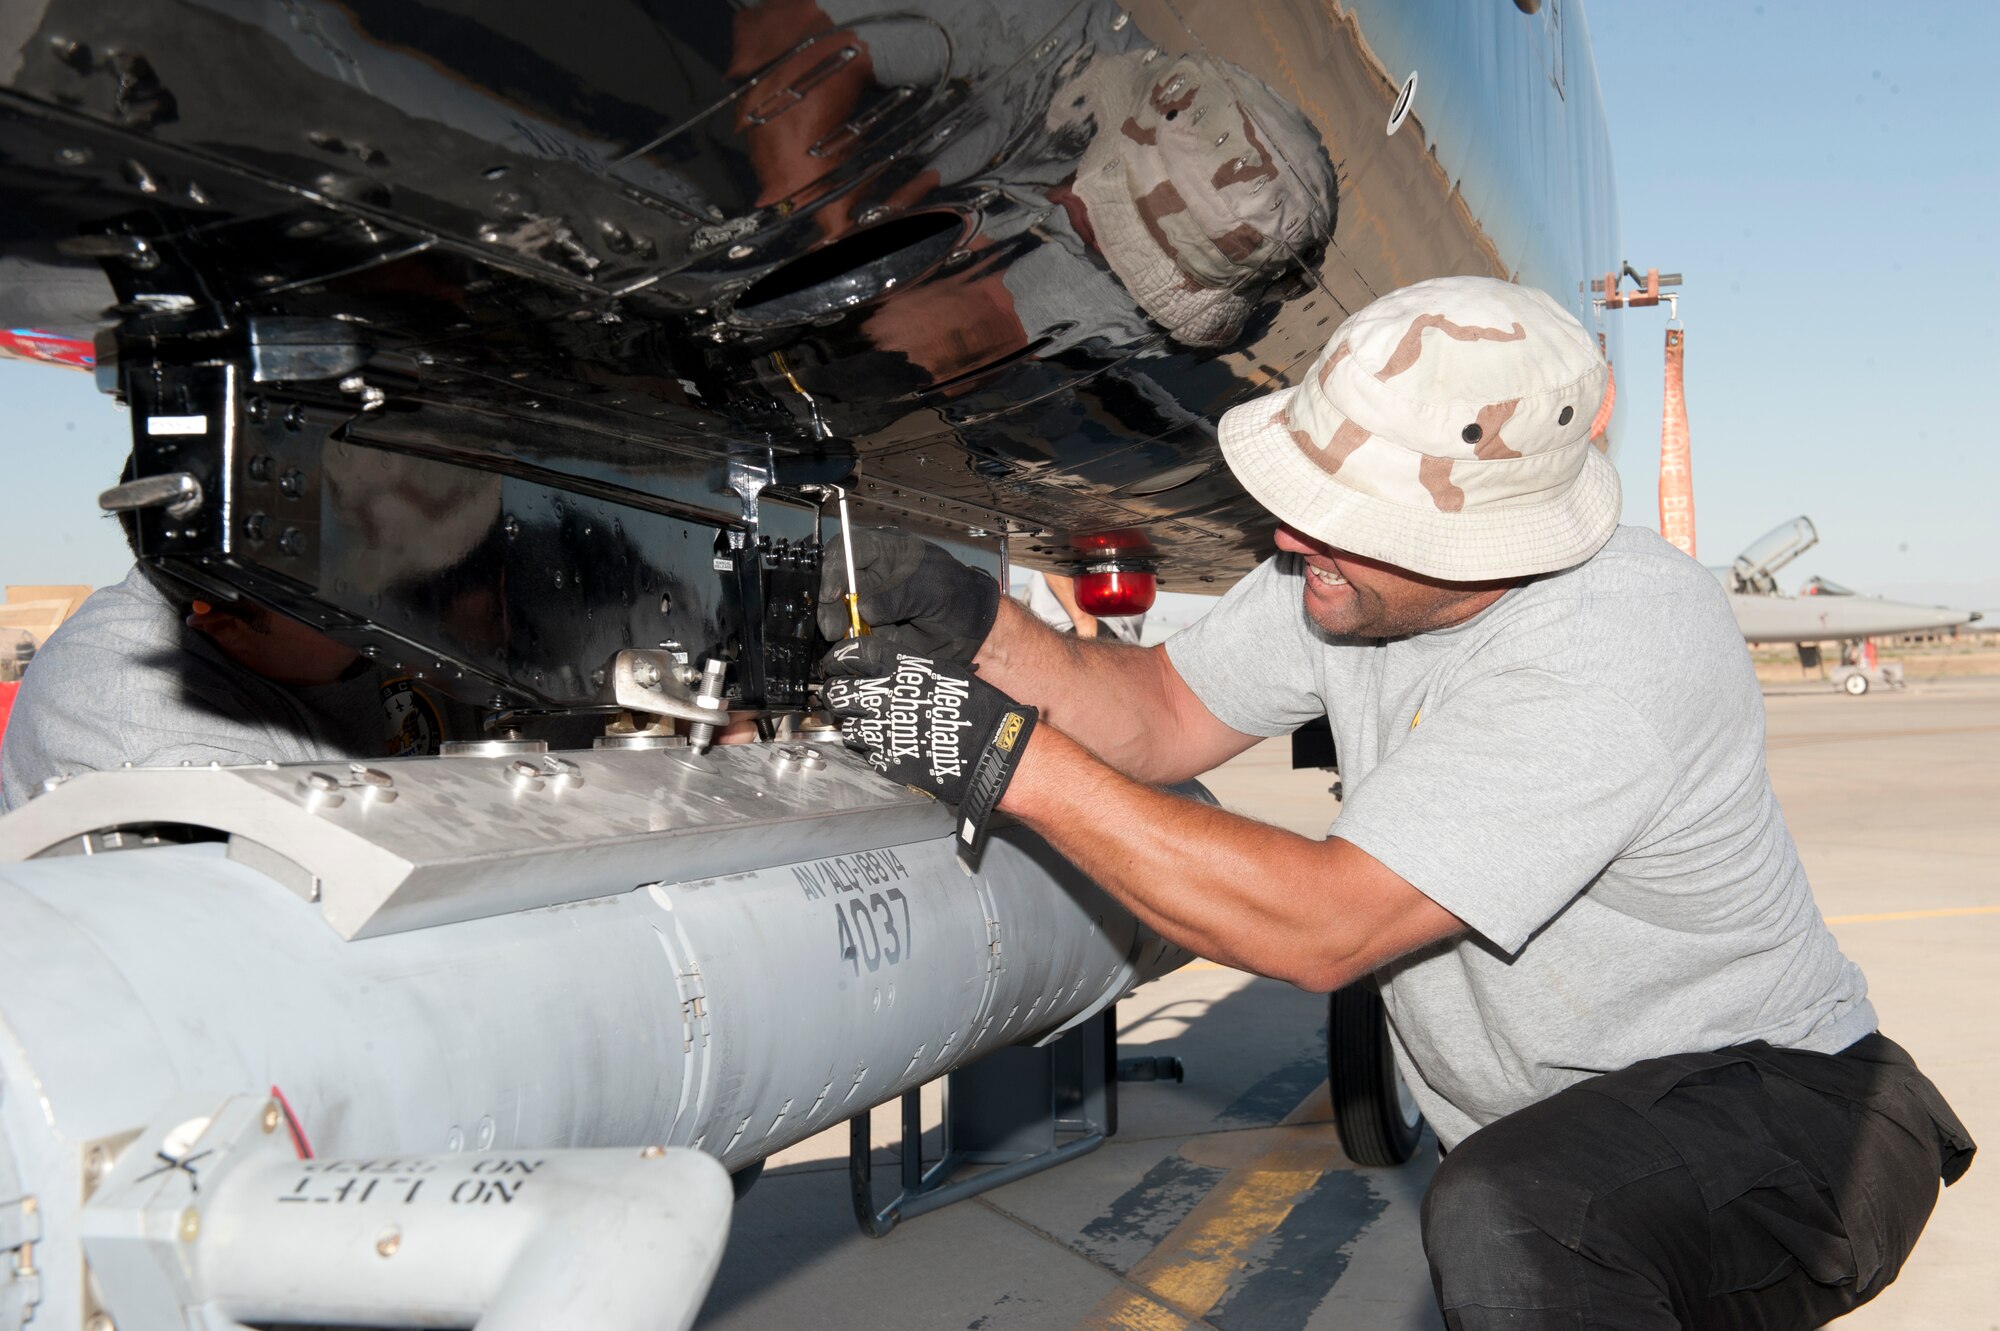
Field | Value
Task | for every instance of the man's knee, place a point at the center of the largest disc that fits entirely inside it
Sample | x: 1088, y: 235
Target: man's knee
x: 1525, y: 1221
x: 1498, y: 1226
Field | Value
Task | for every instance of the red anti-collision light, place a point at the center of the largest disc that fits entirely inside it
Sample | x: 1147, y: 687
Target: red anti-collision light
x: 1109, y: 593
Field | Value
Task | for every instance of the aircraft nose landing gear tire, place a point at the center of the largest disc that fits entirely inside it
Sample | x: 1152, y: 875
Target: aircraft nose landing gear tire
x: 1377, y: 1118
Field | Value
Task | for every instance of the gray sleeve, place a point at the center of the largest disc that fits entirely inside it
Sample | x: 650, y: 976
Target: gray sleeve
x: 42, y: 743
x: 58, y: 731
x: 1251, y: 659
x: 84, y: 707
x: 1511, y: 798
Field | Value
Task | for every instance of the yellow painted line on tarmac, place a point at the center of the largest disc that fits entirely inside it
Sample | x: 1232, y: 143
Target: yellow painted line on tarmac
x: 1195, y: 1274
x: 1189, y: 1270
x: 1885, y: 916
x: 1135, y: 1314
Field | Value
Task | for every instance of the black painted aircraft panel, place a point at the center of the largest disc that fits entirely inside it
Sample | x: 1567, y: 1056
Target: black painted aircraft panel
x: 1002, y: 264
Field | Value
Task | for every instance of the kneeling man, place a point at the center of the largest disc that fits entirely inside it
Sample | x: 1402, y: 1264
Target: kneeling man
x: 1660, y: 1085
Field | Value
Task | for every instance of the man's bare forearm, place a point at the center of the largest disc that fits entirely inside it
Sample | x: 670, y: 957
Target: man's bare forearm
x: 1121, y: 702
x: 1317, y: 914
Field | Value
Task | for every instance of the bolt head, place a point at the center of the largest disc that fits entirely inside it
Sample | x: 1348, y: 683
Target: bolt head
x: 321, y: 795
x: 389, y: 1241
x: 190, y: 1226
x: 652, y: 1152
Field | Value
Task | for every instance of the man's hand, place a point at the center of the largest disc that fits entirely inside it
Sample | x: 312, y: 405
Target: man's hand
x: 913, y: 594
x: 925, y: 722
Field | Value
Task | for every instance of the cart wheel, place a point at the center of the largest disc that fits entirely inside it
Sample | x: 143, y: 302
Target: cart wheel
x: 1855, y: 684
x: 1374, y: 1112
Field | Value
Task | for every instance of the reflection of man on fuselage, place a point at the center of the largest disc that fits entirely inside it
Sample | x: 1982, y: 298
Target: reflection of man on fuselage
x: 1662, y: 1088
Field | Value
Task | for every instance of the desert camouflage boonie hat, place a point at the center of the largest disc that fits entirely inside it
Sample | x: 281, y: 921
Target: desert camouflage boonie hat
x: 1445, y: 429
x: 1201, y: 183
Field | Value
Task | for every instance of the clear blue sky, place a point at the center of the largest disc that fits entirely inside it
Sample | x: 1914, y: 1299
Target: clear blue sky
x: 61, y: 441
x: 1826, y: 175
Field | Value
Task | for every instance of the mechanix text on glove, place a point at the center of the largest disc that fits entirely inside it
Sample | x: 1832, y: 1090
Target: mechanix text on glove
x: 933, y: 725
x: 921, y: 720
x: 911, y: 723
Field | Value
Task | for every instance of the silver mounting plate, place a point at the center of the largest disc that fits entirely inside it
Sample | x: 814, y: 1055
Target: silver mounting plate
x: 449, y: 839
x: 651, y: 682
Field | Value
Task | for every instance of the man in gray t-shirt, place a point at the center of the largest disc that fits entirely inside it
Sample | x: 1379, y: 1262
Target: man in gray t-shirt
x: 1660, y: 1083
x: 138, y: 676
x: 1580, y: 763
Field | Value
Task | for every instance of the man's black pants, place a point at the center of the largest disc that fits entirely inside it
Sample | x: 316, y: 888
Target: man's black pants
x: 1749, y: 1187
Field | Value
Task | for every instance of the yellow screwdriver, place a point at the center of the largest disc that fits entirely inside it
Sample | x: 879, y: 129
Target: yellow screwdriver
x: 856, y: 626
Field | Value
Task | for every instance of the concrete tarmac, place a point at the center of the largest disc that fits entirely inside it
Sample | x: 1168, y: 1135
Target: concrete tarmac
x: 1226, y: 1202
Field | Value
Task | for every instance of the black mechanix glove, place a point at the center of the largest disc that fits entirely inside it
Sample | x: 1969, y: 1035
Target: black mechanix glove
x: 931, y: 724
x: 912, y: 593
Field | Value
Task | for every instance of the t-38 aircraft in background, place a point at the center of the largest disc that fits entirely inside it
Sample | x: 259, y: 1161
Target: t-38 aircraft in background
x: 1822, y: 610
x: 529, y: 348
